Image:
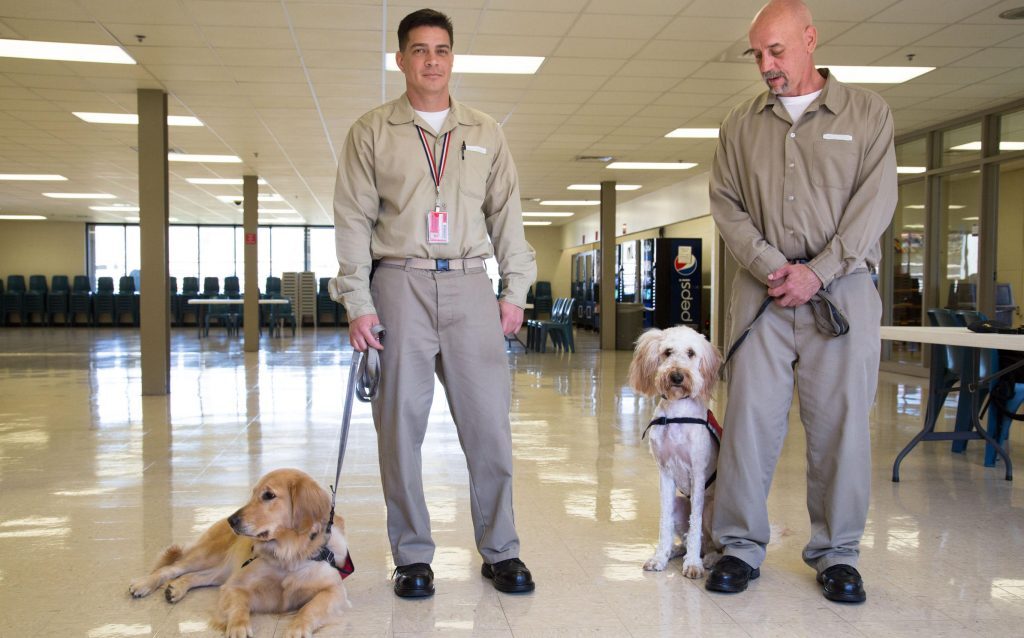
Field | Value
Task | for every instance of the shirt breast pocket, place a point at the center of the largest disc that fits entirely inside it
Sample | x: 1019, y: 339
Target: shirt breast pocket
x: 474, y: 169
x: 835, y: 164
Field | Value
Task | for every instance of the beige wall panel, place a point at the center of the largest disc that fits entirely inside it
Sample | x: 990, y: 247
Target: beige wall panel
x: 42, y: 248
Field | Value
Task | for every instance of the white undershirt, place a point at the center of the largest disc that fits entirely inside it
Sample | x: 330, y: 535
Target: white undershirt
x: 434, y: 118
x: 798, y: 104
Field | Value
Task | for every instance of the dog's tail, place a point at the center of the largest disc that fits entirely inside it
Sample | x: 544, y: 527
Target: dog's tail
x: 171, y: 554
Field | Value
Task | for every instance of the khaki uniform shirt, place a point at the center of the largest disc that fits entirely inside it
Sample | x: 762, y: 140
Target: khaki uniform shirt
x: 384, y: 190
x: 822, y: 190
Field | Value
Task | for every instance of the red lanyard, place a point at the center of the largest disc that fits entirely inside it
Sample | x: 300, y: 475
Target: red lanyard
x: 436, y: 167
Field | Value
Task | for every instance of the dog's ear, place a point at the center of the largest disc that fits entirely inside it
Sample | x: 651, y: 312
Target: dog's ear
x: 310, y: 504
x: 710, y: 362
x: 645, y: 362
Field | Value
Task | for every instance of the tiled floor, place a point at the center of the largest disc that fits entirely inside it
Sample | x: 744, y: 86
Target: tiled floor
x: 95, y: 480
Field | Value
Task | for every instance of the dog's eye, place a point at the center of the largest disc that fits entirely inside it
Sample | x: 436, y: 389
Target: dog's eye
x: 690, y: 353
x: 667, y: 353
x: 268, y: 496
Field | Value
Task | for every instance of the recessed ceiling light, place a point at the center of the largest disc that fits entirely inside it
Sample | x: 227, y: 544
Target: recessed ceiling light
x: 132, y: 118
x: 26, y: 177
x: 551, y: 214
x: 654, y: 166
x: 115, y: 209
x: 217, y: 181
x: 597, y: 187
x: 909, y: 170
x: 65, y: 51
x: 209, y: 159
x: 570, y: 202
x: 976, y: 146
x: 694, y: 133
x: 81, y: 195
x: 269, y: 197
x: 536, y: 223
x: 877, y: 74
x: 464, y: 63
x: 22, y: 217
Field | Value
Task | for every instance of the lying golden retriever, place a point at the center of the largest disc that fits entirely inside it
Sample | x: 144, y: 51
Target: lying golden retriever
x: 274, y: 555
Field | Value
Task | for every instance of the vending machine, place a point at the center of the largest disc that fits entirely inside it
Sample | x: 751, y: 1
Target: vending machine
x: 670, y: 283
x: 627, y: 271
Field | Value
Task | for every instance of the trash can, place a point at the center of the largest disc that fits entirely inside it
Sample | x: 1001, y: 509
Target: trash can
x: 629, y: 323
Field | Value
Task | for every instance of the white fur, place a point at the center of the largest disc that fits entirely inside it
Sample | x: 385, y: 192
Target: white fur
x: 680, y: 366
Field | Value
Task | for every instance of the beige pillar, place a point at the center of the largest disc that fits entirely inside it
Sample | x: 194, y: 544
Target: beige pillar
x: 155, y: 320
x: 607, y: 265
x: 251, y: 284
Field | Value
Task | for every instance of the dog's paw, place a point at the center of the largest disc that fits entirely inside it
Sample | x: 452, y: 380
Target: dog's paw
x: 693, y: 569
x: 655, y: 564
x: 140, y: 587
x: 298, y: 631
x: 239, y: 630
x: 710, y: 559
x: 174, y: 591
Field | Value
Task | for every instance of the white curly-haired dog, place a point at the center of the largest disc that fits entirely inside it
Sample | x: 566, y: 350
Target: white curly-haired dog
x: 680, y: 366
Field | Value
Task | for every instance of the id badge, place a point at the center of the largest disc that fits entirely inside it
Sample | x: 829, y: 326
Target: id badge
x: 437, y: 227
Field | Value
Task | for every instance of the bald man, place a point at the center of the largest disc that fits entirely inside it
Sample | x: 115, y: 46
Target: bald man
x: 802, y: 187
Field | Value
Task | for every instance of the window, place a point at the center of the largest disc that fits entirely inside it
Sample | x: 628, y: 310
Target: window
x: 961, y: 144
x: 323, y: 258
x: 1011, y: 132
x: 113, y: 251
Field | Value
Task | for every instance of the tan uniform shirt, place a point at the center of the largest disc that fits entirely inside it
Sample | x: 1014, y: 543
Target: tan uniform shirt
x: 384, y: 191
x: 823, y: 189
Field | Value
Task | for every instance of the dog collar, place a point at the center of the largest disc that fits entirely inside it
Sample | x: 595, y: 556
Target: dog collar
x: 345, y: 569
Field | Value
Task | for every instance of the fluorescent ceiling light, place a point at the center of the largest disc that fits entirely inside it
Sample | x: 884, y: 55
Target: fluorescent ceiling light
x: 210, y: 159
x: 910, y: 170
x: 694, y: 133
x: 464, y: 63
x: 970, y: 219
x: 132, y: 219
x: 81, y: 195
x: 22, y: 217
x: 976, y: 146
x: 115, y: 209
x: 26, y: 177
x: 217, y: 181
x: 915, y: 206
x: 278, y: 211
x: 269, y: 197
x: 65, y: 51
x: 597, y: 187
x: 132, y: 118
x: 536, y: 223
x: 915, y: 226
x: 653, y: 166
x: 551, y: 214
x: 570, y: 202
x: 921, y: 206
x: 877, y: 74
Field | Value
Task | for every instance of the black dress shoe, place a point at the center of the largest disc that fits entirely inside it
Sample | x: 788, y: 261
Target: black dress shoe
x: 730, y: 575
x: 414, y: 581
x: 842, y: 584
x: 510, y: 576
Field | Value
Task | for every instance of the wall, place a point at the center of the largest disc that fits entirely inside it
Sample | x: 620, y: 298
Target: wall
x: 547, y: 243
x: 42, y: 248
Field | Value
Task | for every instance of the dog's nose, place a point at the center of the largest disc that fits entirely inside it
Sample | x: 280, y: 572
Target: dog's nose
x: 676, y: 378
x: 234, y: 520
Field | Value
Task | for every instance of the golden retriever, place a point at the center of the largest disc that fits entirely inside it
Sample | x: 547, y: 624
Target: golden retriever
x: 273, y: 555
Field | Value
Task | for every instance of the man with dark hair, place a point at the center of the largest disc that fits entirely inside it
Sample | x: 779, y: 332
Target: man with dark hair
x: 802, y: 187
x: 427, y: 190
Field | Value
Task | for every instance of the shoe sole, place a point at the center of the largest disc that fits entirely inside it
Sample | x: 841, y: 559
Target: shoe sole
x: 845, y: 598
x: 415, y: 593
x: 730, y: 589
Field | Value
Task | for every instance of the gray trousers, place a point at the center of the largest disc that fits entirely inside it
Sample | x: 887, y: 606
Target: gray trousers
x: 443, y: 323
x: 836, y: 378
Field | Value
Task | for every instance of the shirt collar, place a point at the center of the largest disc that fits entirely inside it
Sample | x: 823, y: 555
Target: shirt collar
x: 403, y: 113
x: 833, y: 96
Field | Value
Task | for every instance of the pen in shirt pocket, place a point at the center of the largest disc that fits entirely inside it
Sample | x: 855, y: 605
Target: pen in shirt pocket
x: 463, y: 150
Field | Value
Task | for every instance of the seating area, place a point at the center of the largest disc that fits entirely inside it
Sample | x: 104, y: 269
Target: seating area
x: 559, y: 328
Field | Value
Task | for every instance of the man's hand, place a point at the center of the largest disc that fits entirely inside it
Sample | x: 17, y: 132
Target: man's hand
x: 793, y: 285
x: 360, y: 334
x: 511, y: 318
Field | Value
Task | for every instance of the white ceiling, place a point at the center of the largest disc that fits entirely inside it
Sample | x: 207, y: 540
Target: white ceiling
x: 278, y: 83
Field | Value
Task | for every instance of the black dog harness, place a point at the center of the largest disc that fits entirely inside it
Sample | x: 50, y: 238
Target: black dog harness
x: 710, y: 424
x: 345, y: 570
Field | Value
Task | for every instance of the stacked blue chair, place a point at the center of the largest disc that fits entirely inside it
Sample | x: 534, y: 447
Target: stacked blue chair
x: 560, y: 328
x: 103, y: 301
x: 14, y: 298
x: 327, y: 306
x: 35, y: 300
x: 542, y: 299
x: 272, y: 291
x: 126, y: 302
x: 211, y: 287
x: 189, y: 290
x: 57, y: 302
x: 2, y: 302
x: 80, y: 300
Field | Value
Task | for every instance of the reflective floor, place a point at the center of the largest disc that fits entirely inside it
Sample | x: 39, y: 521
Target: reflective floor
x: 95, y: 480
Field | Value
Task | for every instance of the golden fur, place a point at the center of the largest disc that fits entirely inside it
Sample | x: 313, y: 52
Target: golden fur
x: 282, y: 526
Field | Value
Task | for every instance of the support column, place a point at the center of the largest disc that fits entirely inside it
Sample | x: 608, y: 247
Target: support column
x: 607, y: 266
x: 154, y: 204
x: 251, y: 285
